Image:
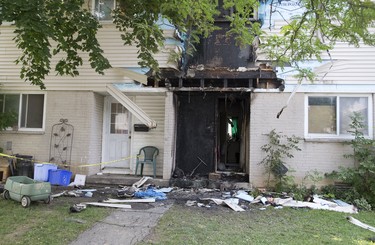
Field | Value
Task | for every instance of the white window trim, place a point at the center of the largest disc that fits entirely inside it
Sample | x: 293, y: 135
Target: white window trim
x: 20, y: 110
x: 337, y: 136
x: 93, y: 11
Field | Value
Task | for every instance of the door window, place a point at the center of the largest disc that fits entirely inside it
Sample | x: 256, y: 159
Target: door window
x: 119, y: 119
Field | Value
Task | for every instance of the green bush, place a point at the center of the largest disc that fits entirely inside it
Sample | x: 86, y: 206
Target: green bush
x: 362, y: 176
x: 7, y: 119
x: 277, y: 149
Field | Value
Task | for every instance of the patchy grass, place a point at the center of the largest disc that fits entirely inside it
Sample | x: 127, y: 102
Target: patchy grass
x: 183, y: 225
x: 44, y: 224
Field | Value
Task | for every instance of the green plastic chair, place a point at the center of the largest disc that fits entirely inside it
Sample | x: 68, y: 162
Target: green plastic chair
x: 149, y: 154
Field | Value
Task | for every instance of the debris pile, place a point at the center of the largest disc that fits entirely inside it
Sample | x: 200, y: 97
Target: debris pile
x: 239, y: 199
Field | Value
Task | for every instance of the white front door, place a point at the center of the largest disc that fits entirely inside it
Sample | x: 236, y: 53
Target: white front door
x: 116, y: 138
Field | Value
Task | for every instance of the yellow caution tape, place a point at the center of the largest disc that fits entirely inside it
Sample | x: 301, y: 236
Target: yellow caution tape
x: 79, y: 166
x: 104, y: 163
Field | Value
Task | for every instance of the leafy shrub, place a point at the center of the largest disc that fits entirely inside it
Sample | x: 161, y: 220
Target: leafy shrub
x: 362, y: 204
x: 362, y: 176
x: 277, y: 149
x: 7, y: 119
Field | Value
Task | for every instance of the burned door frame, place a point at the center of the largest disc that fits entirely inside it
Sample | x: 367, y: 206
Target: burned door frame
x: 198, y: 141
x: 233, y: 150
x: 214, y: 80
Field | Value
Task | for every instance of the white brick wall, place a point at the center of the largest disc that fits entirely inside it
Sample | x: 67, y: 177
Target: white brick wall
x: 169, y: 136
x: 84, y: 110
x: 95, y: 136
x: 323, y: 156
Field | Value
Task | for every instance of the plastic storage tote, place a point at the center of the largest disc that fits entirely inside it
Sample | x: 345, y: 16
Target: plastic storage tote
x: 41, y: 171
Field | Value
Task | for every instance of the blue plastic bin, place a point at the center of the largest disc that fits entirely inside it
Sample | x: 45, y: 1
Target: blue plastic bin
x: 59, y: 177
x: 41, y: 171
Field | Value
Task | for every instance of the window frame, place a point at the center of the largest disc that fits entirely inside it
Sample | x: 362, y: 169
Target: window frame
x: 24, y: 129
x: 93, y: 10
x: 338, y: 135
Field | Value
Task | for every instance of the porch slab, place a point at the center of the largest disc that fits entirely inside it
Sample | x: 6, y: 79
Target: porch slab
x: 121, y: 179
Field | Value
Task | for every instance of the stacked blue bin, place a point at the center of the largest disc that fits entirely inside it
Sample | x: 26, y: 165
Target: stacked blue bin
x: 59, y: 177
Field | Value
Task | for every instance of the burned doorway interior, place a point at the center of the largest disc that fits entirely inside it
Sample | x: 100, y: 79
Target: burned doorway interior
x: 233, y: 121
x: 212, y: 132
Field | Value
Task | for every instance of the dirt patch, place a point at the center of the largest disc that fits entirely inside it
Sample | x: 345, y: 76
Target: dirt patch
x: 18, y: 232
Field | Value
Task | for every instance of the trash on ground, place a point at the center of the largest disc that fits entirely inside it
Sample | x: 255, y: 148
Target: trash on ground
x: 79, y: 180
x: 300, y: 204
x: 143, y: 200
x: 149, y: 193
x: 190, y: 203
x: 244, y: 196
x: 318, y: 200
x: 233, y: 200
x: 226, y: 194
x: 233, y: 205
x: 73, y: 194
x: 58, y: 194
x: 88, y: 194
x: 165, y: 189
x: 206, y: 190
x: 341, y: 203
x: 126, y: 191
x: 86, y: 190
x: 141, y: 182
x: 76, y: 208
x: 109, y: 205
x: 360, y: 224
x: 263, y: 200
x: 217, y: 201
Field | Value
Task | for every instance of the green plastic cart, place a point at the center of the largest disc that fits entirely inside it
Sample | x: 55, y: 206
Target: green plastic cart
x: 25, y: 190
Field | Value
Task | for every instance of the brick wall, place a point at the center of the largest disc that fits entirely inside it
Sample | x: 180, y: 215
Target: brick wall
x: 322, y: 156
x: 84, y: 111
x: 169, y: 136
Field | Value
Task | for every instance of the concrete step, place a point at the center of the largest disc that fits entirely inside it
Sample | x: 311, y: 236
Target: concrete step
x: 121, y: 179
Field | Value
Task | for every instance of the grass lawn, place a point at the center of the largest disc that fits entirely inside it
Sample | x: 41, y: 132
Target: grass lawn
x: 54, y: 224
x: 44, y: 224
x: 183, y: 225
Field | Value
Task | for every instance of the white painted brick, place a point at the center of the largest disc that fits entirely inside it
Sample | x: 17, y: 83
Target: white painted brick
x: 324, y: 157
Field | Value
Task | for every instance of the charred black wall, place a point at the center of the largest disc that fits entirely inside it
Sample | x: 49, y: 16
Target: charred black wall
x: 196, y: 131
x: 220, y: 50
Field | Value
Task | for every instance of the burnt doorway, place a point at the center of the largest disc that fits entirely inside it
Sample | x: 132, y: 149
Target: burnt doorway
x: 233, y: 130
x: 212, y: 132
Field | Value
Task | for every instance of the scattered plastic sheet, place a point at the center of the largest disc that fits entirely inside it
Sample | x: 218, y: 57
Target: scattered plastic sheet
x: 151, y: 193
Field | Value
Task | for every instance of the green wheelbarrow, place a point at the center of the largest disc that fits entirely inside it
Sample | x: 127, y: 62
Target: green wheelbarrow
x: 25, y: 190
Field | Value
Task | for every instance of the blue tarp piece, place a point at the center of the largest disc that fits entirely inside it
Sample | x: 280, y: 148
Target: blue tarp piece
x: 151, y: 193
x: 341, y: 203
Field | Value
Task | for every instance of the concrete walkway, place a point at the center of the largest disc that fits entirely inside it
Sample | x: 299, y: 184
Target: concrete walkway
x: 123, y: 227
